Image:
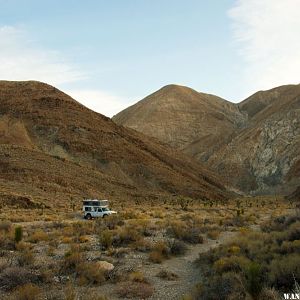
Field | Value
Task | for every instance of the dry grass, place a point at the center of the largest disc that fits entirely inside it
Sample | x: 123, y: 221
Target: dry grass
x: 27, y: 292
x: 64, y: 250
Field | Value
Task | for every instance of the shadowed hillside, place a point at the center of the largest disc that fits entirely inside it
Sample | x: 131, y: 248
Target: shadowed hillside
x: 52, y: 147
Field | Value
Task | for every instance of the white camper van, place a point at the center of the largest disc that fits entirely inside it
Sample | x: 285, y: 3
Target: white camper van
x: 96, y: 208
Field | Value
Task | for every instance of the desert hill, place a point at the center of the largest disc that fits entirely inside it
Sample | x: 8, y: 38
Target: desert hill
x: 53, y: 148
x: 184, y: 119
x: 255, y: 143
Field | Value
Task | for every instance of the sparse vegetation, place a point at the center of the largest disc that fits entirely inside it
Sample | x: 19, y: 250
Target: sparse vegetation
x: 127, y: 254
x: 255, y: 262
x: 18, y: 234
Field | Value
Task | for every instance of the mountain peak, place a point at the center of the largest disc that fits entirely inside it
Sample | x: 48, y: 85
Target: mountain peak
x: 178, y: 115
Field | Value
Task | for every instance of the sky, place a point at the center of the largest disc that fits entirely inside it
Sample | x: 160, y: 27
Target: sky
x: 110, y: 54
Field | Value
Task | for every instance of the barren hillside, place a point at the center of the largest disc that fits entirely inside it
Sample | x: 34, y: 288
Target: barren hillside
x: 52, y: 147
x: 254, y: 144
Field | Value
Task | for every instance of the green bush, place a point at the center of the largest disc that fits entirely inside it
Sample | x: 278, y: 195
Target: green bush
x: 231, y: 264
x: 283, y: 270
x: 18, y: 234
x: 227, y: 286
x: 254, y: 279
x: 255, y: 263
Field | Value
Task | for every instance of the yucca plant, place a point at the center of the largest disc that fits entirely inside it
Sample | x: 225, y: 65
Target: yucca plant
x: 18, y: 234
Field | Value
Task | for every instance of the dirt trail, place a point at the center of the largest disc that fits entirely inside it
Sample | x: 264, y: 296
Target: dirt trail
x: 184, y: 267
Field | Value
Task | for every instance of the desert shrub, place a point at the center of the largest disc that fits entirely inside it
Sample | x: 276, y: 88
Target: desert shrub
x: 260, y: 260
x: 5, y: 226
x: 184, y: 203
x: 231, y: 264
x: 290, y: 247
x: 70, y: 293
x: 82, y: 228
x: 193, y: 236
x: 18, y: 234
x: 234, y: 250
x: 188, y: 234
x: 213, y: 234
x: 284, y: 270
x: 293, y: 232
x: 68, y: 231
x: 254, y: 279
x: 67, y: 240
x: 137, y: 276
x: 142, y: 226
x: 106, y: 239
x: 27, y: 291
x: 269, y: 293
x: 280, y: 223
x: 142, y: 245
x: 176, y: 247
x: 118, y: 252
x: 12, y: 277
x: 237, y: 221
x: 25, y: 258
x: 227, y: 286
x: 84, y: 239
x: 125, y: 235
x: 129, y: 214
x: 71, y: 260
x: 162, y: 247
x: 7, y: 241
x: 167, y: 275
x: 176, y: 229
x: 156, y: 257
x: 90, y: 273
x: 38, y: 236
x: 160, y: 251
x: 139, y: 290
x: 112, y: 221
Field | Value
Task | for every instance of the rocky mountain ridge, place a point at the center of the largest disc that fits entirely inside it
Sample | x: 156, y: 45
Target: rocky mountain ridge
x: 254, y: 144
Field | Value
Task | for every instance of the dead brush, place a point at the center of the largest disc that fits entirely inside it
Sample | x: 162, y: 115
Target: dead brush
x: 160, y: 251
x: 5, y: 226
x: 137, y: 276
x: 167, y: 275
x: 38, y: 236
x: 27, y: 291
x: 89, y: 273
x: 179, y: 230
x: 141, y: 245
x: 126, y: 235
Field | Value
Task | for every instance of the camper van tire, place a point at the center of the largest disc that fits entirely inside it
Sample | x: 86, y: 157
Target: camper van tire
x: 105, y: 216
x: 88, y: 216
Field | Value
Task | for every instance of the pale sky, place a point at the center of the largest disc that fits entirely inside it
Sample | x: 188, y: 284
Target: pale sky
x: 110, y: 54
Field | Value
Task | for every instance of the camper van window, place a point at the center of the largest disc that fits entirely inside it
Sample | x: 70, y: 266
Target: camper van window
x: 87, y: 208
x: 99, y: 210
